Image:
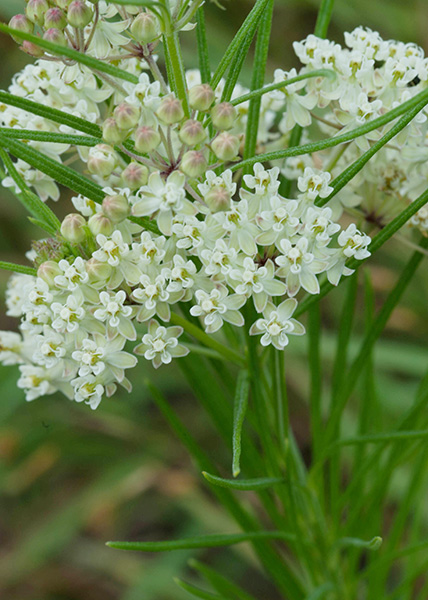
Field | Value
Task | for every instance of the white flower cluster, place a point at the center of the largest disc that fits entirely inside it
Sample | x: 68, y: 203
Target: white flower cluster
x: 178, y: 226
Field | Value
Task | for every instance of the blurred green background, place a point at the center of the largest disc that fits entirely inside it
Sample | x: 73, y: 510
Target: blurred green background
x: 70, y: 478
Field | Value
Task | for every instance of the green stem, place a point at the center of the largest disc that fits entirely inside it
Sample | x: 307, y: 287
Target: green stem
x: 323, y: 18
x: 173, y: 50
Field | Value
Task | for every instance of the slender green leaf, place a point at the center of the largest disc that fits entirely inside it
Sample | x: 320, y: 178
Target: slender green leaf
x: 80, y: 57
x: 203, y: 55
x: 197, y: 592
x: 8, y: 266
x: 323, y: 18
x: 175, y: 60
x: 261, y: 483
x: 203, y: 541
x: 220, y: 583
x: 239, y: 409
x: 53, y: 114
x: 373, y: 544
x: 50, y: 137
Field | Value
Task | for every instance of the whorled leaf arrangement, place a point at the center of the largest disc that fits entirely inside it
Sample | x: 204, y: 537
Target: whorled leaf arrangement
x: 199, y: 205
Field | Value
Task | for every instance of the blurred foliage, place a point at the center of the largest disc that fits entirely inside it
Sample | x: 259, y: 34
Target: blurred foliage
x: 70, y: 478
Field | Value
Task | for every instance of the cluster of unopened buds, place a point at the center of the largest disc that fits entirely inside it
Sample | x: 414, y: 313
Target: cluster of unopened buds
x: 179, y: 229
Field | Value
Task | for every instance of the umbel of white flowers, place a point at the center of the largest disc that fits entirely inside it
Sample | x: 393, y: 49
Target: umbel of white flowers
x: 215, y: 242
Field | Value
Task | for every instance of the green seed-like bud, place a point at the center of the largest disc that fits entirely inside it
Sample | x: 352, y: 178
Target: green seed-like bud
x: 73, y: 228
x: 48, y: 271
x: 111, y: 132
x: 218, y: 199
x: 193, y: 163
x: 79, y: 14
x: 101, y: 160
x: 56, y: 36
x: 97, y: 270
x: 201, y: 97
x: 192, y: 133
x: 32, y: 49
x: 126, y: 115
x: 223, y: 115
x: 116, y: 208
x: 135, y: 175
x: 36, y: 10
x: 22, y: 23
x: 145, y: 28
x: 170, y: 110
x: 63, y: 3
x: 146, y: 139
x: 99, y: 223
x: 225, y: 146
x: 55, y: 17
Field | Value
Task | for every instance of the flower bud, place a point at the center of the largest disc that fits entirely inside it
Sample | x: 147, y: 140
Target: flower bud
x: 111, y: 132
x: 116, y: 208
x: 73, y: 228
x: 192, y: 133
x: 56, y: 36
x: 170, y: 110
x: 55, y: 17
x: 99, y: 223
x: 146, y: 139
x: 79, y: 14
x: 145, y: 28
x: 223, y: 115
x: 63, y: 3
x: 193, y: 163
x: 217, y: 199
x: 225, y: 146
x: 32, y: 49
x: 36, y: 10
x: 126, y: 115
x: 101, y: 160
x: 47, y: 271
x: 97, y: 270
x: 22, y: 23
x: 201, y: 97
x: 135, y: 175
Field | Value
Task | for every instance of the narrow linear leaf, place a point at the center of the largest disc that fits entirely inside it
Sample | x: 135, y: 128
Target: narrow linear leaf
x: 53, y: 114
x: 261, y: 483
x: 203, y: 541
x: 8, y: 266
x: 323, y: 18
x: 80, y: 57
x: 240, y: 405
x: 373, y: 544
x: 50, y: 137
x: 376, y: 438
x: 203, y: 55
x: 219, y: 582
x: 197, y: 592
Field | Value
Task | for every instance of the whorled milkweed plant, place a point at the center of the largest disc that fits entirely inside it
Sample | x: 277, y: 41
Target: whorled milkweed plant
x: 208, y: 218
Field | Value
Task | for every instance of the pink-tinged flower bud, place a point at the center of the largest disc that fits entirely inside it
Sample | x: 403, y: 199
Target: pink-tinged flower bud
x: 79, y: 14
x: 145, y: 28
x: 22, y: 23
x: 217, y: 199
x: 73, y: 228
x: 170, y: 110
x: 146, y: 139
x: 135, y: 175
x: 225, y: 146
x: 55, y: 17
x: 101, y: 160
x: 56, y: 36
x: 116, y: 208
x: 193, y: 164
x: 223, y: 115
x: 201, y: 97
x: 63, y: 3
x: 99, y: 223
x: 32, y: 49
x: 192, y: 133
x: 126, y: 115
x: 111, y: 132
x: 97, y: 270
x: 36, y: 10
x: 47, y: 271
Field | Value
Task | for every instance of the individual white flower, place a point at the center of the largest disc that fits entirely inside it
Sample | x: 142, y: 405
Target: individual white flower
x: 298, y: 266
x: 150, y: 250
x: 278, y: 221
x: 217, y: 306
x: 160, y: 344
x: 17, y: 291
x: 88, y: 389
x: 10, y: 348
x: 117, y: 254
x: 352, y: 244
x: 237, y: 225
x: 223, y: 180
x: 219, y: 261
x: 97, y: 354
x: 35, y: 382
x: 263, y: 182
x: 73, y: 274
x: 314, y: 183
x: 68, y: 316
x: 251, y: 279
x: 116, y: 314
x: 153, y: 296
x: 298, y: 106
x: 182, y: 276
x: 318, y: 226
x: 277, y: 324
x: 51, y: 348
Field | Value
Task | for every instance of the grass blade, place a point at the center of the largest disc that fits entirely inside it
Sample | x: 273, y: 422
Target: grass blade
x: 261, y: 483
x: 220, y: 583
x: 239, y: 409
x: 197, y: 592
